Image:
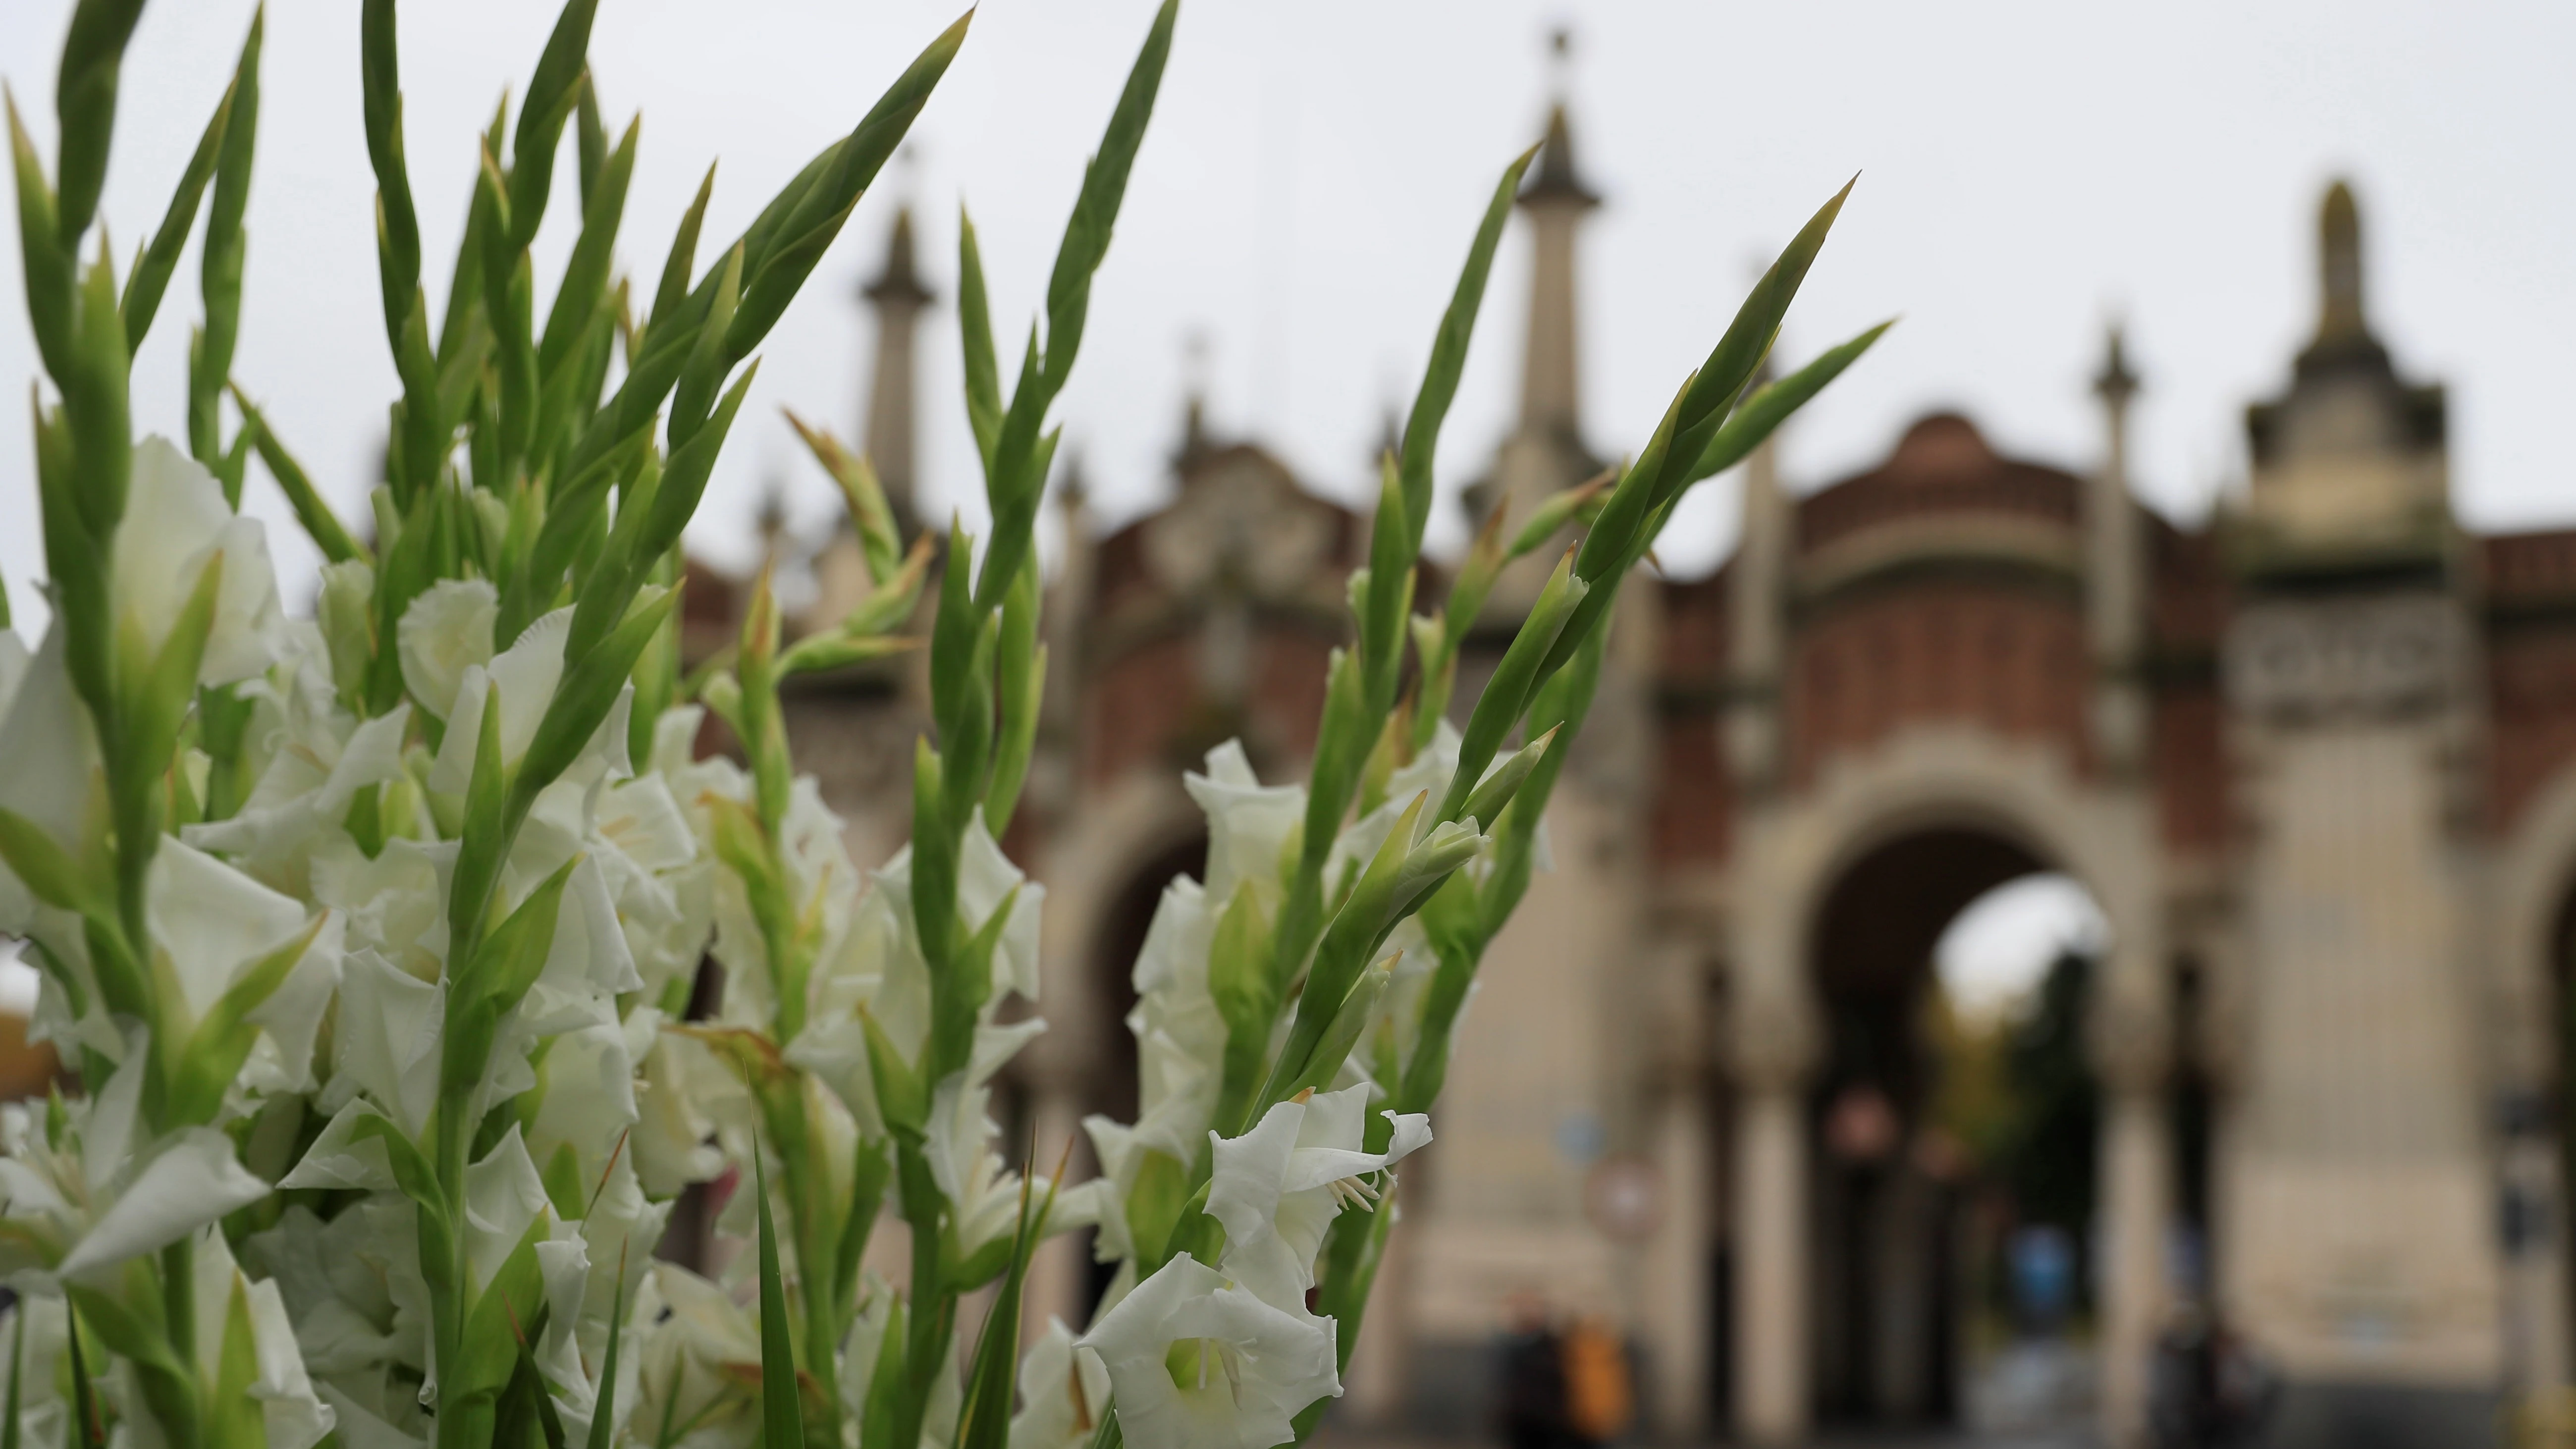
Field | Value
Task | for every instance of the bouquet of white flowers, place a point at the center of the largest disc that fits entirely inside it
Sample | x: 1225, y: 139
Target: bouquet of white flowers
x: 372, y: 936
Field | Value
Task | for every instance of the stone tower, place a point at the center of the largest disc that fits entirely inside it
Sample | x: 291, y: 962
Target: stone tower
x: 2358, y: 1204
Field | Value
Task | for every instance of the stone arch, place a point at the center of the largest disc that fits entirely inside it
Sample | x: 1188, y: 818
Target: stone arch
x: 2533, y: 926
x: 2535, y: 883
x: 1794, y: 851
x: 1946, y: 776
x: 1122, y: 831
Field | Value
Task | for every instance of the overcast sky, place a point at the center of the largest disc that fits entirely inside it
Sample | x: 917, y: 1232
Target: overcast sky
x: 2028, y: 170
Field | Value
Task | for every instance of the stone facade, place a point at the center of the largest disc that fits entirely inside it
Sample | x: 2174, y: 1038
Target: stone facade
x: 2315, y: 759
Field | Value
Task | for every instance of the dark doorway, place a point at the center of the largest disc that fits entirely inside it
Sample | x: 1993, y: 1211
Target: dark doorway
x: 1892, y: 1191
x: 1111, y: 1087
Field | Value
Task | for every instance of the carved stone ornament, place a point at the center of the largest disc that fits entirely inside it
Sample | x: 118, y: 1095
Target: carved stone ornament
x: 2372, y: 657
x: 1240, y: 518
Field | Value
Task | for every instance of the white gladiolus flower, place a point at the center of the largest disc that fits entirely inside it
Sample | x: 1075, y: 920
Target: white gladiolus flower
x: 395, y: 902
x: 445, y: 632
x: 1248, y: 822
x: 701, y: 1365
x: 351, y: 1285
x: 1200, y: 1362
x: 1063, y: 1392
x: 91, y: 1195
x: 291, y: 1415
x: 53, y: 781
x: 676, y: 1092
x: 45, y: 1414
x: 325, y: 759
x: 526, y: 675
x: 212, y: 924
x: 983, y: 1190
x: 1278, y: 1187
x: 176, y: 522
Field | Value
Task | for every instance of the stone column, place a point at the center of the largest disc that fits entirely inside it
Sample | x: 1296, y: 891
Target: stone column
x: 1374, y: 1387
x: 1676, y: 1287
x: 2535, y: 1262
x: 2130, y: 1052
x: 1059, y: 1273
x: 1770, y: 1263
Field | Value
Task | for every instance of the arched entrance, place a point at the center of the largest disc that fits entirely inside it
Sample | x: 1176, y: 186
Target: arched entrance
x: 1110, y: 1086
x: 1893, y: 1187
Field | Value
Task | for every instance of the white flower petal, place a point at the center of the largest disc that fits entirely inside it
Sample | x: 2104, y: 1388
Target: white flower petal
x: 444, y: 632
x: 193, y: 1181
x: 176, y: 522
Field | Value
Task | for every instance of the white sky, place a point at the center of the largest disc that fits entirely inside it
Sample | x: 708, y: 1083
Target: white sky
x: 2029, y: 169
x: 1999, y: 948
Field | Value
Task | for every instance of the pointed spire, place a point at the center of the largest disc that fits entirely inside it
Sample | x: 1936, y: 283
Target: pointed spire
x: 1194, y: 377
x: 897, y: 282
x: 2115, y: 384
x: 1556, y: 199
x: 898, y: 297
x: 1556, y: 180
x: 2339, y: 311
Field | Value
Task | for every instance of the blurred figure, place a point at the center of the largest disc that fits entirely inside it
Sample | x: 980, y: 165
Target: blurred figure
x: 2209, y: 1389
x: 1533, y: 1399
x: 1600, y: 1400
x: 2043, y: 1277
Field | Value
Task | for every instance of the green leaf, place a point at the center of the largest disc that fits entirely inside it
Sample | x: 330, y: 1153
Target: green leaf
x: 235, y: 1414
x: 152, y: 271
x: 934, y: 857
x: 46, y: 258
x: 975, y: 331
x: 94, y: 400
x: 782, y: 1414
x: 902, y: 1097
x: 553, y: 92
x: 1013, y: 484
x: 785, y: 256
x: 210, y: 362
x: 984, y: 1420
x: 17, y: 1374
x: 585, y: 280
x: 157, y: 694
x: 213, y: 1054
x: 604, y: 1418
x: 1700, y: 407
x: 513, y: 956
x: 1771, y: 405
x: 1343, y: 954
x: 45, y: 866
x: 320, y: 524
x: 85, y: 100
x: 1507, y: 693
x: 1485, y: 803
x: 397, y: 224
x: 1552, y: 514
x: 1393, y: 547
x: 865, y: 497
x: 1340, y: 1038
x: 1015, y: 648
x: 817, y: 652
x: 1449, y: 348
x: 84, y: 1400
x: 674, y: 288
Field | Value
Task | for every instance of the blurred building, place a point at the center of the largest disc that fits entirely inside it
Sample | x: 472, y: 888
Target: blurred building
x: 2316, y: 760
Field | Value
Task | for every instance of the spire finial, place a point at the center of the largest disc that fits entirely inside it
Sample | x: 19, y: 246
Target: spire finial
x: 898, y: 283
x: 2115, y: 384
x: 1195, y: 349
x: 2339, y: 314
x: 1556, y: 178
